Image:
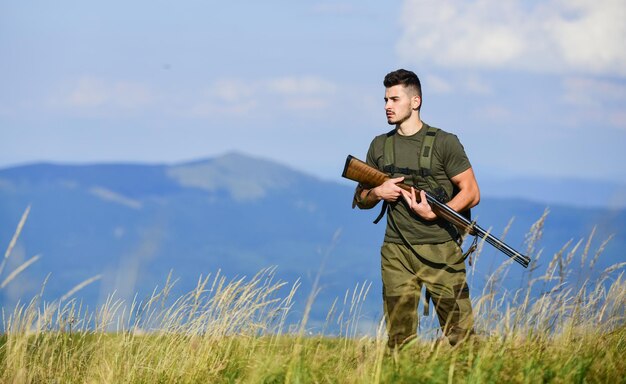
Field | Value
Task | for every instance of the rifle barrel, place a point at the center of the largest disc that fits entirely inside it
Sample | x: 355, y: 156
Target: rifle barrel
x: 494, y: 241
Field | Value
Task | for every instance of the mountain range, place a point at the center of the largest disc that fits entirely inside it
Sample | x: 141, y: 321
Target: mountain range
x: 132, y: 224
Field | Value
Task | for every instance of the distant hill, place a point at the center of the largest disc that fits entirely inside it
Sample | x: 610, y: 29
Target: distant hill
x: 235, y: 214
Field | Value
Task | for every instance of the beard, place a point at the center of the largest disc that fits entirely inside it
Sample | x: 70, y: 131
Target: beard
x: 397, y: 119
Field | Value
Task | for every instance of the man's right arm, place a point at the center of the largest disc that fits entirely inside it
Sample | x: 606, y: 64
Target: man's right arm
x: 367, y: 198
x: 363, y: 198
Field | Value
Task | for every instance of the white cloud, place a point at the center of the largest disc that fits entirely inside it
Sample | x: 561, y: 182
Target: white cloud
x: 600, y: 101
x: 132, y: 95
x: 211, y: 107
x: 305, y: 85
x: 594, y: 101
x: 307, y: 103
x: 226, y: 96
x: 303, y: 93
x: 618, y: 119
x: 575, y: 36
x: 493, y: 113
x: 233, y: 90
x: 238, y: 96
x: 470, y: 84
x: 90, y: 92
x: 437, y: 84
x: 478, y: 86
x: 585, y: 92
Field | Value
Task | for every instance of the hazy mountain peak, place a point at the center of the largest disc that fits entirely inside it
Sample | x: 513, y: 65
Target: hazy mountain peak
x: 245, y: 177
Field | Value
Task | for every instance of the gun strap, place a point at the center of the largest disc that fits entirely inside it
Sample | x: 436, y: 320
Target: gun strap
x: 471, y: 250
x: 382, y: 212
x: 427, y: 300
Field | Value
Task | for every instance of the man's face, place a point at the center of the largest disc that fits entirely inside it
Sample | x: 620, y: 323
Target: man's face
x: 400, y: 103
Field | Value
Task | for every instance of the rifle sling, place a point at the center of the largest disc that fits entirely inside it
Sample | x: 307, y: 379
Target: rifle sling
x: 382, y: 212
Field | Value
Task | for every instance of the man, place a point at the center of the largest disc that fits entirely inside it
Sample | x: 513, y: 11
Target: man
x: 419, y: 248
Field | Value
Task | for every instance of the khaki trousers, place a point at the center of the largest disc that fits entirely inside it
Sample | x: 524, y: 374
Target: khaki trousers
x: 441, y: 268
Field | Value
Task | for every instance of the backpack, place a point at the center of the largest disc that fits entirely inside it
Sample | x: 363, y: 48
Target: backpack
x: 423, y: 171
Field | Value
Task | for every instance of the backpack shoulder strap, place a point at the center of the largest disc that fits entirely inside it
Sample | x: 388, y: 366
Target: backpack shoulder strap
x: 425, y: 162
x: 388, y: 149
x: 425, y: 158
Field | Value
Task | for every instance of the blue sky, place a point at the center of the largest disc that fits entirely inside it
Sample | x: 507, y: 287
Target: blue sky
x: 532, y: 88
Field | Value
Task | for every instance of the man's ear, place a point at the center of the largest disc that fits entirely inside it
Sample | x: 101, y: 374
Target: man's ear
x: 416, y: 102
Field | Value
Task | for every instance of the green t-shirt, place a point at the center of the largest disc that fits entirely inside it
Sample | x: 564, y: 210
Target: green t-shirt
x: 448, y: 160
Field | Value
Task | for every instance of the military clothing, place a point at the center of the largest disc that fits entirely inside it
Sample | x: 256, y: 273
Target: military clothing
x: 448, y: 160
x: 404, y: 275
x: 432, y: 258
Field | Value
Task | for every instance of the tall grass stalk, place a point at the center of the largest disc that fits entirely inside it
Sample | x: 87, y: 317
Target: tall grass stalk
x: 19, y: 269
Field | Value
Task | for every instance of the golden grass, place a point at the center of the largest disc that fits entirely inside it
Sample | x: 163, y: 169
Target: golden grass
x: 560, y: 327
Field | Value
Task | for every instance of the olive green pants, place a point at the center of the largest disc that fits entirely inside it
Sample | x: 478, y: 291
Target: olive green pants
x: 441, y: 268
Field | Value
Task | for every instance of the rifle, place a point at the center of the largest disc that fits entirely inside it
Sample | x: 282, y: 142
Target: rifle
x: 370, y: 177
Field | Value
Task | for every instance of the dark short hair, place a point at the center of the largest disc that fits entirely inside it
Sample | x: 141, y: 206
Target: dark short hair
x: 404, y: 77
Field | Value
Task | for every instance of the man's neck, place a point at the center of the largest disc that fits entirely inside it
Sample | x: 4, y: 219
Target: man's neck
x: 410, y: 127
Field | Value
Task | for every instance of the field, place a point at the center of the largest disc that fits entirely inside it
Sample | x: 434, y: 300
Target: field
x: 556, y: 329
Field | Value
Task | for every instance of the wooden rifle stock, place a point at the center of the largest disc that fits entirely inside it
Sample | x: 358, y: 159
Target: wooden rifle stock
x: 371, y: 177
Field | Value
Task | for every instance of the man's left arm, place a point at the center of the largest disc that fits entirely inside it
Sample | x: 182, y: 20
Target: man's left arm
x: 468, y: 194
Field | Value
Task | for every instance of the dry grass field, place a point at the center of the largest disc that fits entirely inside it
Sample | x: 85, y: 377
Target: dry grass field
x: 236, y: 331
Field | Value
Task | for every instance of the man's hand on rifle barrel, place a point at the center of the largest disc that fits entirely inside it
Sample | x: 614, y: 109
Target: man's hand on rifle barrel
x: 421, y: 208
